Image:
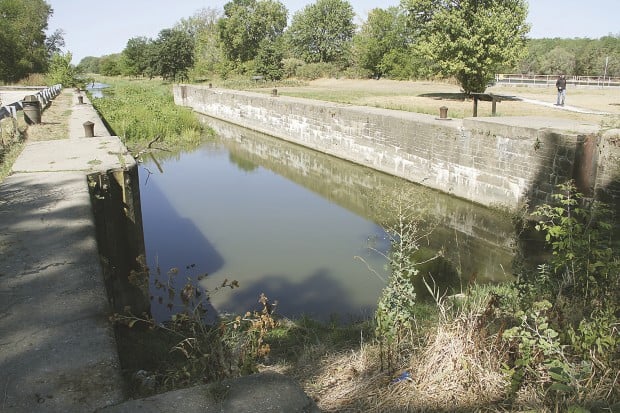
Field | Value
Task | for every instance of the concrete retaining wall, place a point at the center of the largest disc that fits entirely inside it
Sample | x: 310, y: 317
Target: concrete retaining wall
x: 492, y: 161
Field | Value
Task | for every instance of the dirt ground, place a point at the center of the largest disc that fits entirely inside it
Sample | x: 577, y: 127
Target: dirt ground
x: 592, y: 105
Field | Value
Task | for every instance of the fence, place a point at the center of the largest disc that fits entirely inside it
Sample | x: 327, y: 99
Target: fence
x: 44, y: 96
x: 549, y: 80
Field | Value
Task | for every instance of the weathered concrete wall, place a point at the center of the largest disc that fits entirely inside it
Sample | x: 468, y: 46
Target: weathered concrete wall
x: 492, y: 161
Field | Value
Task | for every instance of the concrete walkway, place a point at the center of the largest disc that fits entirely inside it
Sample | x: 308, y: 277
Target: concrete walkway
x: 57, y: 347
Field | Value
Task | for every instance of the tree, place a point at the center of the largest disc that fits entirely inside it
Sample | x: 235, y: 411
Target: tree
x: 559, y: 60
x: 89, y: 64
x: 470, y: 39
x: 134, y: 59
x: 55, y: 42
x: 62, y: 71
x: 381, y: 37
x: 175, y: 54
x: 268, y: 62
x: 203, y: 28
x: 322, y: 32
x: 110, y: 65
x: 247, y: 23
x: 22, y: 38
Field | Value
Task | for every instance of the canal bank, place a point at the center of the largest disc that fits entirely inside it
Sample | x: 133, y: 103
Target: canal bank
x: 504, y: 161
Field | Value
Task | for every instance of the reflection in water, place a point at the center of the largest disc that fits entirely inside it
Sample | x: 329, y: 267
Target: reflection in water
x: 96, y: 89
x: 298, y: 225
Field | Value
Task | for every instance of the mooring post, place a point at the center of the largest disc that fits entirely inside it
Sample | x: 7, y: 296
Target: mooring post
x: 89, y: 129
x: 443, y: 112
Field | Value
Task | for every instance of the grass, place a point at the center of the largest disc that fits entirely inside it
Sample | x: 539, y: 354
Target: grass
x: 428, y: 97
x: 141, y: 112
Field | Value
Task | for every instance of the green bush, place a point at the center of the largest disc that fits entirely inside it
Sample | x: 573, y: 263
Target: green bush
x: 312, y: 71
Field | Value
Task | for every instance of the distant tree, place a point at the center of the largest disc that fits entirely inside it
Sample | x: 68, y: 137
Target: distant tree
x: 134, y: 59
x: 109, y: 65
x: 558, y: 61
x: 22, y: 38
x: 322, y: 32
x: 578, y: 57
x: 247, y: 23
x: 175, y: 54
x: 381, y: 37
x: 470, y: 39
x: 62, y: 71
x: 89, y: 64
x: 203, y: 29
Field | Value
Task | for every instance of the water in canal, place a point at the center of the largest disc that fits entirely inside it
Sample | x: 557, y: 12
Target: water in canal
x: 299, y: 226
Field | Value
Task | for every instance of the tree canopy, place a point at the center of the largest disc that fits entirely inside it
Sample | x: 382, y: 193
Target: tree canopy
x: 470, y: 39
x: 23, y: 47
x: 383, y: 35
x: 322, y: 31
x: 247, y: 23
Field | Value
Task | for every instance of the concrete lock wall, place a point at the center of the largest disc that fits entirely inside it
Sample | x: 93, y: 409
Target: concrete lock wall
x: 492, y: 161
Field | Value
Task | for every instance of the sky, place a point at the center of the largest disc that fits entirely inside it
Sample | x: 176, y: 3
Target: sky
x: 97, y: 28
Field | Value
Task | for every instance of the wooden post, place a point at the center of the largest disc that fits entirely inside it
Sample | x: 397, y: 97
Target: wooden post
x: 493, y: 106
x: 475, y: 106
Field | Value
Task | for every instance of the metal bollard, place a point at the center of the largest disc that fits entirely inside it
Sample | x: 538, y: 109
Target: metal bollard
x: 89, y: 129
x: 32, y: 110
x: 443, y: 112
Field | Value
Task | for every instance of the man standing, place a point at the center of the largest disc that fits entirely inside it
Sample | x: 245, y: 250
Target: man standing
x: 561, y: 85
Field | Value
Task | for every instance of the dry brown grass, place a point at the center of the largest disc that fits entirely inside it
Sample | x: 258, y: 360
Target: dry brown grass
x: 54, y: 120
x: 428, y: 97
x: 456, y: 367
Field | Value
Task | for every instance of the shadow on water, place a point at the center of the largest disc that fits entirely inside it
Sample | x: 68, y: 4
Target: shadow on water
x: 319, y: 296
x: 183, y: 254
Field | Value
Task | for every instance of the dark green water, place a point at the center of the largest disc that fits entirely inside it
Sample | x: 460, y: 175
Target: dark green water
x: 300, y: 226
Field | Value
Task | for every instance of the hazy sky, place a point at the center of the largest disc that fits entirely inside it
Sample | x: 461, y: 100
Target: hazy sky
x: 96, y: 28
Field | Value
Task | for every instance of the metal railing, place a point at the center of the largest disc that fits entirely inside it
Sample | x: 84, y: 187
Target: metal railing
x: 549, y: 80
x: 44, y: 96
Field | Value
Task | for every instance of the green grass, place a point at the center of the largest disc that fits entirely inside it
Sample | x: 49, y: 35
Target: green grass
x: 140, y: 111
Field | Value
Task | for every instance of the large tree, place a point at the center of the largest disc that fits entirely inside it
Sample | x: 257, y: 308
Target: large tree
x: 247, y: 23
x: 382, y: 36
x: 135, y: 56
x: 22, y: 38
x: 470, y: 39
x: 202, y: 27
x: 322, y: 31
x: 175, y: 54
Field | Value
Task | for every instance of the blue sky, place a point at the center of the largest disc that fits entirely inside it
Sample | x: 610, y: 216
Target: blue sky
x: 96, y: 28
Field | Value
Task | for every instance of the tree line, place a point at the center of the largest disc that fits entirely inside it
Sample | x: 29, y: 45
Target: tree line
x: 466, y: 40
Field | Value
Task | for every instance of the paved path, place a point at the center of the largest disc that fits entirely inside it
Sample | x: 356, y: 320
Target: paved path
x: 57, y: 348
x: 565, y: 107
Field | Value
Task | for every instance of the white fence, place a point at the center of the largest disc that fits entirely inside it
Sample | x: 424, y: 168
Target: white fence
x: 549, y: 80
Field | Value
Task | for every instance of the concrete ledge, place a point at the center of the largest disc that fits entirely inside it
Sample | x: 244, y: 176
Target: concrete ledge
x: 258, y: 393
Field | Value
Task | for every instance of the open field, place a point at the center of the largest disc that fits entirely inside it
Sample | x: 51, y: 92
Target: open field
x: 428, y: 97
